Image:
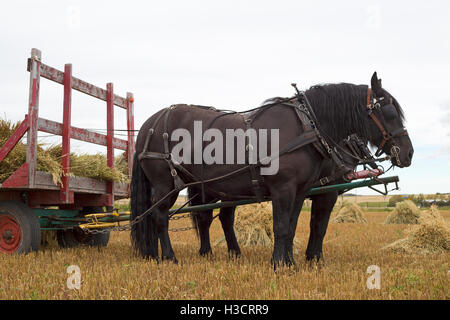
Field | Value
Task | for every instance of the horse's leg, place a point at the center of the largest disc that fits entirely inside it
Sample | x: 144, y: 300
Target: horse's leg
x: 143, y: 234
x: 204, y: 220
x: 161, y: 222
x: 293, y: 227
x: 226, y: 218
x: 284, y: 200
x: 320, y: 215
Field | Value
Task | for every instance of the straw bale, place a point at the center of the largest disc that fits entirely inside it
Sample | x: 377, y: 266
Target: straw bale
x: 253, y: 226
x: 432, y: 235
x: 349, y: 212
x: 405, y: 212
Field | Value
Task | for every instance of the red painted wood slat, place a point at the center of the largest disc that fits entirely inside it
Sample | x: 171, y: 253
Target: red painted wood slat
x: 33, y: 114
x: 53, y: 127
x: 65, y: 160
x: 14, y: 139
x: 110, y: 135
x: 19, y: 179
x: 130, y: 128
x: 55, y: 75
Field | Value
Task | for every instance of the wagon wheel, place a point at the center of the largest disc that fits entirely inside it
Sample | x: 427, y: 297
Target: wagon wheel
x: 20, y: 231
x: 75, y: 237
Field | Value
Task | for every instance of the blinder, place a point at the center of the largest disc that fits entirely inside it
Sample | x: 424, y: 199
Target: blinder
x: 389, y: 111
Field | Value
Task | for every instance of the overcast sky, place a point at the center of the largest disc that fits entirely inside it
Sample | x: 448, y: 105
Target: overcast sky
x: 235, y: 54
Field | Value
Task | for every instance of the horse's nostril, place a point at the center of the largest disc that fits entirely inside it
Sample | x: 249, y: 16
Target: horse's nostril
x: 410, y: 154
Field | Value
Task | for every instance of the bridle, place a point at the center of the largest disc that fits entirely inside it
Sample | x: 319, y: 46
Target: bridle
x: 374, y: 103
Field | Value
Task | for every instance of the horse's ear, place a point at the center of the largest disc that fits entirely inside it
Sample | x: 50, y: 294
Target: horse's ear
x: 375, y: 82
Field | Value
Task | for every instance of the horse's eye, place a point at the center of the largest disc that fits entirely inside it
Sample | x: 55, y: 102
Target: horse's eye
x: 389, y: 111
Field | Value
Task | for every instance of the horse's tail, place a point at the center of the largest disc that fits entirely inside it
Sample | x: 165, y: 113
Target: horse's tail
x: 190, y: 193
x: 143, y: 233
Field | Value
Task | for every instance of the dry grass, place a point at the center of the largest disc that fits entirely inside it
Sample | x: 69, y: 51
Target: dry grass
x: 365, y: 198
x: 114, y: 273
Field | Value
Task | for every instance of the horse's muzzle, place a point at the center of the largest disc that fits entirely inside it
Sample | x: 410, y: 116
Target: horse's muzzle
x: 399, y: 161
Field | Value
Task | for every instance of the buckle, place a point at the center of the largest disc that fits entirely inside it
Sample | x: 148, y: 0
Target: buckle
x: 324, y: 181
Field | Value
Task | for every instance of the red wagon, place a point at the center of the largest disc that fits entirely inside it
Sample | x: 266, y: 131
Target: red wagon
x: 29, y: 199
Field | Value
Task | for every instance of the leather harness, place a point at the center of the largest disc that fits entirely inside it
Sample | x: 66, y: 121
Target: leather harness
x: 310, y: 135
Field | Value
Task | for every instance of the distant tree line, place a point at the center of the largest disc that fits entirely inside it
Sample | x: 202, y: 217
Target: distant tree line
x: 421, y: 200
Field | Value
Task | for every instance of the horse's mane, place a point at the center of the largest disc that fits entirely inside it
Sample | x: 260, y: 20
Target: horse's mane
x: 342, y: 107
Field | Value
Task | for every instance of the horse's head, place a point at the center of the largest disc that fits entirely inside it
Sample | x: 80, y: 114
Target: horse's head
x: 389, y: 134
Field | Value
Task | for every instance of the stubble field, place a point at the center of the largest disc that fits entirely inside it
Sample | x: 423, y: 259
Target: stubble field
x: 349, y: 249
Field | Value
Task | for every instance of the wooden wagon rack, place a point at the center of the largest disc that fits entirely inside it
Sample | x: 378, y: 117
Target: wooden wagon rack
x: 36, y: 188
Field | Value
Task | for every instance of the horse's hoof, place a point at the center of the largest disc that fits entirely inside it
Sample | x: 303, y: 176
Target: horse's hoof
x: 173, y: 259
x: 152, y: 258
x: 291, y: 265
x: 233, y: 254
x: 315, y: 262
x: 205, y: 253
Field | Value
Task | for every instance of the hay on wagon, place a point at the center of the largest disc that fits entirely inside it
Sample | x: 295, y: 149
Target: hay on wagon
x: 431, y: 235
x: 349, y: 212
x: 49, y: 160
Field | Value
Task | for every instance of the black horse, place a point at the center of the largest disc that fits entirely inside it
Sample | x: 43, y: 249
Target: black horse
x: 354, y: 151
x: 339, y: 110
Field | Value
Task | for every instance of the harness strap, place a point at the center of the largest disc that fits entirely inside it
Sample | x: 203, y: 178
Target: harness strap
x: 152, y: 155
x: 378, y: 123
x: 335, y: 176
x: 178, y: 182
x: 308, y: 126
x: 254, y: 176
x: 369, y: 97
x: 386, y: 136
x: 149, y: 137
x: 145, y: 154
x: 300, y: 141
